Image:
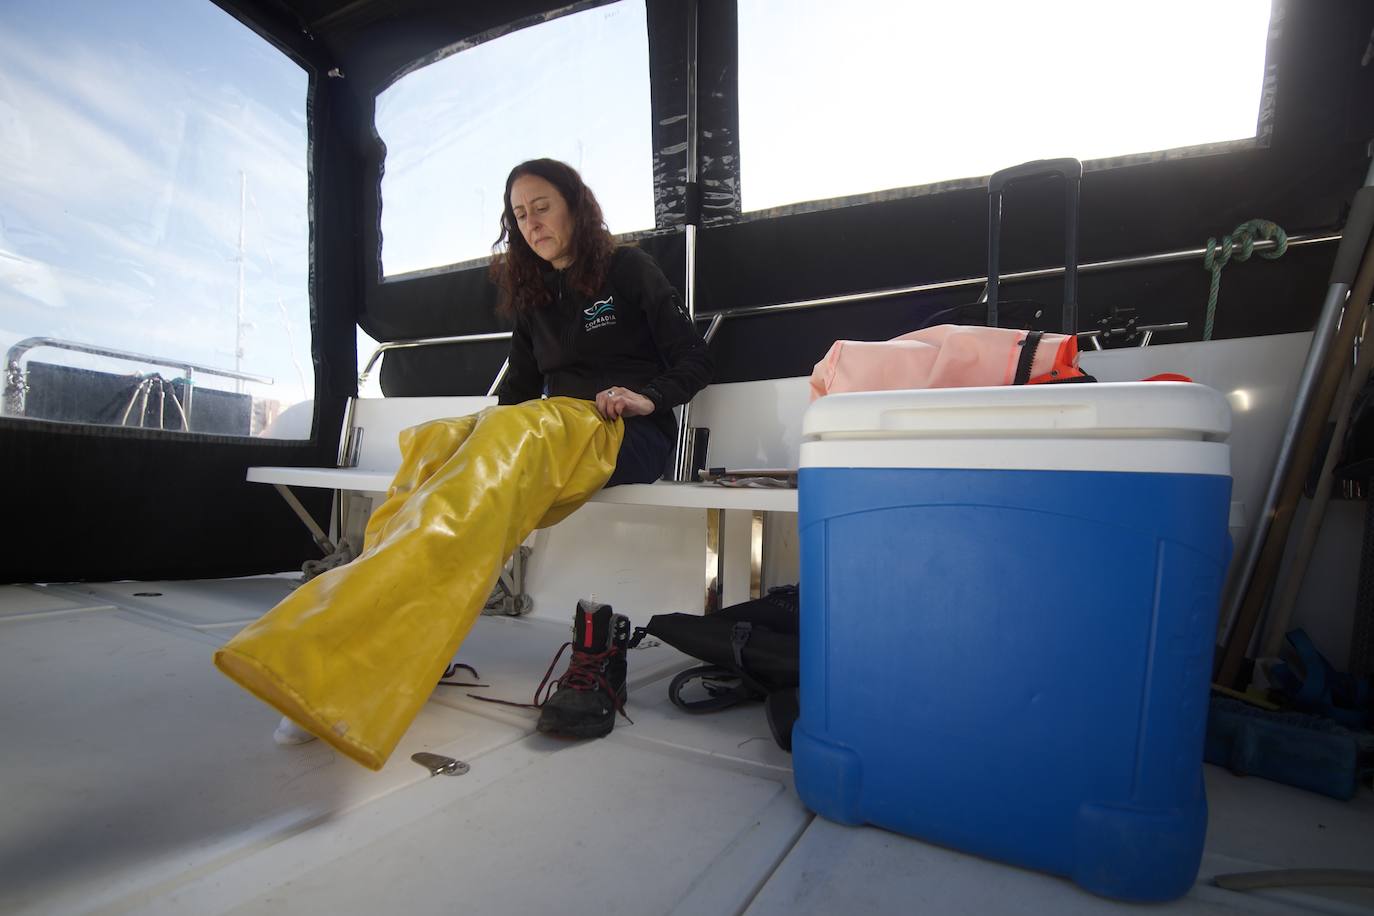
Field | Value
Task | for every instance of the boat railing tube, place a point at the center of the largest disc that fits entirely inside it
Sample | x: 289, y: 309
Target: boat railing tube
x: 16, y: 378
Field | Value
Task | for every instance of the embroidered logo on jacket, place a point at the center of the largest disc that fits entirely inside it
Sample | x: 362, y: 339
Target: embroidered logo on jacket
x: 599, y: 314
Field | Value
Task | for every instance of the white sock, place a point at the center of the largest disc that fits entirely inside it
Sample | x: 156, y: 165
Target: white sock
x: 289, y: 732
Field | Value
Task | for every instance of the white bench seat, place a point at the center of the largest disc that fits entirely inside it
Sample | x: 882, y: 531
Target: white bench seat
x: 758, y: 425
x: 663, y: 493
x: 753, y: 424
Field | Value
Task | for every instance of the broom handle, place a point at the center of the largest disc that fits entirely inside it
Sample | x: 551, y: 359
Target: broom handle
x: 1282, y: 611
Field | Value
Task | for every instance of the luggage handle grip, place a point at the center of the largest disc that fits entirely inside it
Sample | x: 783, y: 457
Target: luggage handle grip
x: 1071, y: 170
x: 1068, y: 169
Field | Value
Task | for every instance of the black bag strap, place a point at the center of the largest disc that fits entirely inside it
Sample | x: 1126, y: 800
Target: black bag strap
x: 724, y: 688
x: 714, y: 677
x: 739, y: 638
x: 1027, y: 358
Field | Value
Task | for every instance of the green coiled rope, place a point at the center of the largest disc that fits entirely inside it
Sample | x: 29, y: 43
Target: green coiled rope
x: 1240, y: 244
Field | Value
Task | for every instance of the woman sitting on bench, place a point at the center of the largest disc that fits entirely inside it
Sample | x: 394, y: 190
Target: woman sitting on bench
x: 592, y: 320
x: 601, y: 352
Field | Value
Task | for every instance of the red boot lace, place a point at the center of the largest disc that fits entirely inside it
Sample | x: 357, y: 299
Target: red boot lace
x: 586, y: 671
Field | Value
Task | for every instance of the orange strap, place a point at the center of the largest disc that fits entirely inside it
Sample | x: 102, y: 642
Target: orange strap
x: 1065, y: 363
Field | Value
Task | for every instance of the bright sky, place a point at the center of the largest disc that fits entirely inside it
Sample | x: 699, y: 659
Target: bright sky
x: 123, y: 132
x: 575, y: 88
x: 848, y: 98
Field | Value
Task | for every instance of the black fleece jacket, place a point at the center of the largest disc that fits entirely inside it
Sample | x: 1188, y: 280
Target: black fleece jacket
x: 633, y: 334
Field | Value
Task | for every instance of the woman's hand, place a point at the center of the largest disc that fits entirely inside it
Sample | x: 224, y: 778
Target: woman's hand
x: 614, y: 403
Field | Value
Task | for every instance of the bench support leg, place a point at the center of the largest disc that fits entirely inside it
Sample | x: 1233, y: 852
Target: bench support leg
x: 508, y: 597
x: 732, y: 578
x: 756, y: 554
x: 321, y: 539
x: 715, y: 560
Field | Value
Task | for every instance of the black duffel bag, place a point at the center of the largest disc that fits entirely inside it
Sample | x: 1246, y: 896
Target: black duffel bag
x: 750, y: 652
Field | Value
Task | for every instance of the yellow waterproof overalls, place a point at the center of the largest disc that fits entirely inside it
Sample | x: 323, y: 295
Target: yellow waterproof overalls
x: 353, y: 654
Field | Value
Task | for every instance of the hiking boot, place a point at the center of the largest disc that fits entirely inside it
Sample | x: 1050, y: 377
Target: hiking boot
x: 592, y: 690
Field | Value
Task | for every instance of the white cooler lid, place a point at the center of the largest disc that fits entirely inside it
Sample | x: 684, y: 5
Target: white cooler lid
x: 1173, y: 427
x: 1170, y: 409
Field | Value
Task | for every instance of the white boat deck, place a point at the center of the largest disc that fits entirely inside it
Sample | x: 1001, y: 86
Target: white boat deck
x: 137, y: 779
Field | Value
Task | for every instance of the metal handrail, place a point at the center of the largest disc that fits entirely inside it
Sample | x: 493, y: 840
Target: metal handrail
x: 16, y: 382
x: 716, y: 318
x: 1044, y: 272
x: 349, y: 443
x: 424, y: 342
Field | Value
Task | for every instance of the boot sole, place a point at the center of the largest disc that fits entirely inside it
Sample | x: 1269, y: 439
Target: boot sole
x: 589, y: 730
x: 596, y: 728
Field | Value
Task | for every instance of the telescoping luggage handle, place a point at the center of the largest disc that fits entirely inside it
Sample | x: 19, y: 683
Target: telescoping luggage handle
x: 1071, y: 170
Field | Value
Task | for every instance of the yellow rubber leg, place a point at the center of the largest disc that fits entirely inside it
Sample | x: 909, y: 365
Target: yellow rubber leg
x: 353, y: 654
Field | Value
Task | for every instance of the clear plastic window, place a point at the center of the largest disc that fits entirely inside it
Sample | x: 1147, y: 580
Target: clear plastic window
x: 574, y: 88
x: 154, y: 233
x: 840, y: 99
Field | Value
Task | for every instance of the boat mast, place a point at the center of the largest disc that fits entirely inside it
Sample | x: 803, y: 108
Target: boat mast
x: 238, y: 311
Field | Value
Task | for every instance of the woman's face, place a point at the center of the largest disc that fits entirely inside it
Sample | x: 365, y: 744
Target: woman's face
x: 544, y: 219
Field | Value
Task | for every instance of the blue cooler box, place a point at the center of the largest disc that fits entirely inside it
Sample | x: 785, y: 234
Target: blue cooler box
x: 1009, y: 603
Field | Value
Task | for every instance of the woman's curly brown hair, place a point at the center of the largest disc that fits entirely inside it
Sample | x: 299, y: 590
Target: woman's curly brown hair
x: 516, y: 269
